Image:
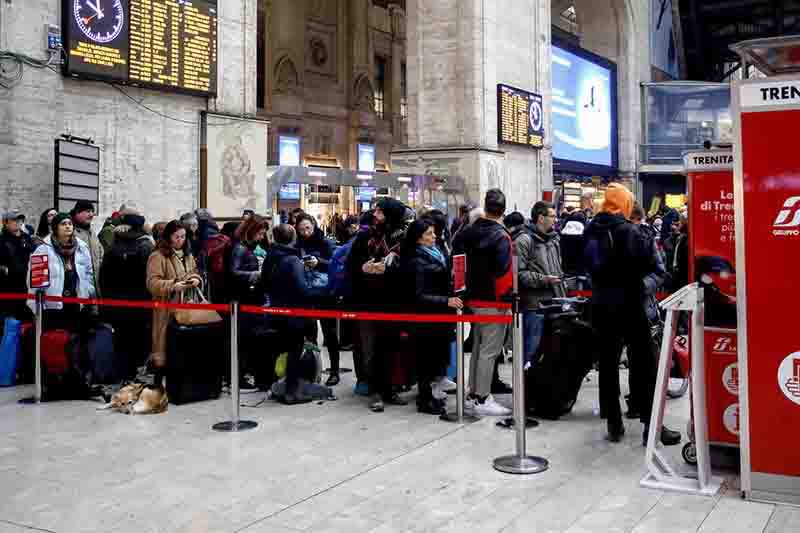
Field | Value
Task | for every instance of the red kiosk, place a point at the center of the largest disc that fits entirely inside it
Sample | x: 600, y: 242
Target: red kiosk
x: 712, y: 251
x: 767, y: 193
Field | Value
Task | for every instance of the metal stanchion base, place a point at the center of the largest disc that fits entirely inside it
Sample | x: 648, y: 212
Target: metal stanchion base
x: 514, y: 464
x: 453, y: 417
x: 342, y: 370
x: 241, y: 425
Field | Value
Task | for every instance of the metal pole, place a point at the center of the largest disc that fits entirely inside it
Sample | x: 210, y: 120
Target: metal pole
x: 519, y: 463
x: 235, y: 424
x: 38, y: 331
x: 459, y: 416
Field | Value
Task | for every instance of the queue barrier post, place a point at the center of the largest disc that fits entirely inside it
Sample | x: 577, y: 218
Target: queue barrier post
x: 459, y: 416
x: 235, y: 424
x: 520, y: 462
x: 38, y: 331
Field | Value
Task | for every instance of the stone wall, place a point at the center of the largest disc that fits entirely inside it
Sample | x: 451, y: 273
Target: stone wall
x: 147, y: 160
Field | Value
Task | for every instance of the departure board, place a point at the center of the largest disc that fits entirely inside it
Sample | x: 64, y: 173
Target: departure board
x: 158, y: 44
x: 520, y: 117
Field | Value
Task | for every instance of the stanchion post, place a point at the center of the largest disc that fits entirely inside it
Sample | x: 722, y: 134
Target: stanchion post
x: 235, y: 424
x: 38, y: 330
x: 459, y: 416
x: 521, y: 462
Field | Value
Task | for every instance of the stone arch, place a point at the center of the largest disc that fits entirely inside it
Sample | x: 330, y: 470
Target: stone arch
x: 363, y: 94
x: 286, y: 77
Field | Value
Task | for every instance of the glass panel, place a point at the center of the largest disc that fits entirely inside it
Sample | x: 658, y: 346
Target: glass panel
x: 682, y: 117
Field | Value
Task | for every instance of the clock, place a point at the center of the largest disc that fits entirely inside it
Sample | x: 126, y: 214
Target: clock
x: 100, y: 21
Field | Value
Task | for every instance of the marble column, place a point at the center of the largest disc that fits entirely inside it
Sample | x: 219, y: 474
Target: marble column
x: 458, y: 51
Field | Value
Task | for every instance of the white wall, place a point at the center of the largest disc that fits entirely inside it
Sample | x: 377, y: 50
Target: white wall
x: 147, y: 160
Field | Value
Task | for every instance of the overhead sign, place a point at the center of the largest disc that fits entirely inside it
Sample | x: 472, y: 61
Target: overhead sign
x: 158, y: 44
x: 40, y: 272
x: 520, y: 117
x: 77, y: 174
x: 584, y: 109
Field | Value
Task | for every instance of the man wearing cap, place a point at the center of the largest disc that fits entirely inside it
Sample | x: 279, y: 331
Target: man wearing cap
x: 618, y: 259
x: 82, y: 215
x: 15, y: 251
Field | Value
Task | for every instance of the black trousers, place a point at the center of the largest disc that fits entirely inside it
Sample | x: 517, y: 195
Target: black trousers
x: 330, y: 338
x: 432, y: 359
x: 617, y: 326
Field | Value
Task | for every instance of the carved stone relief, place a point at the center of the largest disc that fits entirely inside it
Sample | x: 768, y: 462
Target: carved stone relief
x: 286, y: 78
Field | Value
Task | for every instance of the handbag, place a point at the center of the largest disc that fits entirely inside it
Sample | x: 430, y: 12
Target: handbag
x: 195, y: 317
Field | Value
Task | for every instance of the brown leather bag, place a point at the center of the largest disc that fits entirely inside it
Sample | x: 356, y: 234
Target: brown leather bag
x: 195, y: 317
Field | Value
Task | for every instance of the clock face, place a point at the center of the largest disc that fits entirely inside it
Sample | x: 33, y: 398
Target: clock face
x: 99, y: 20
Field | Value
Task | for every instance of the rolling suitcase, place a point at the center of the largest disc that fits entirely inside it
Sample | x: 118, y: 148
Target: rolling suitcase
x: 563, y: 360
x: 100, y: 348
x: 195, y: 362
x: 62, y: 378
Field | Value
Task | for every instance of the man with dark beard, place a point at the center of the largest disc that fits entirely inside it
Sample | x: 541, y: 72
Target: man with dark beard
x: 373, y: 264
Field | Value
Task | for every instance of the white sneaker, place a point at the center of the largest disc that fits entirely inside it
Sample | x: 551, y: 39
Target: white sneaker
x: 437, y: 391
x: 447, y: 384
x: 491, y: 408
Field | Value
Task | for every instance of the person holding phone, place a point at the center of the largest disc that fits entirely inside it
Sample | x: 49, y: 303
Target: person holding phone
x: 540, y: 273
x: 171, y: 270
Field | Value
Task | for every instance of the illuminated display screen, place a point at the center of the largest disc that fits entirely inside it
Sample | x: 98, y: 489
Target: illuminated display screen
x: 519, y: 117
x: 157, y: 44
x: 366, y: 157
x: 584, y: 108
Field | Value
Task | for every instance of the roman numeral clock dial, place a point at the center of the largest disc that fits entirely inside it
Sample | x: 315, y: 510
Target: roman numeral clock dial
x: 100, y: 21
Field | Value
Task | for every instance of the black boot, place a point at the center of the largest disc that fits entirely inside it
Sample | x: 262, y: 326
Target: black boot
x: 616, y: 430
x: 296, y: 394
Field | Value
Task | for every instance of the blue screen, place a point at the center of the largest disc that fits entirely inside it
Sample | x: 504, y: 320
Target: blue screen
x: 289, y: 151
x: 366, y: 157
x: 582, y: 110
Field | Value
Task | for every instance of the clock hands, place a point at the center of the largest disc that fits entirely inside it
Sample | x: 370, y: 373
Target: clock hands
x: 96, y: 8
x: 87, y: 20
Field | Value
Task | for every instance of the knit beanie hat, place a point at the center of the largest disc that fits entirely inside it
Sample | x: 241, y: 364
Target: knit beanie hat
x: 619, y: 201
x: 57, y: 220
x: 131, y: 217
x: 82, y: 205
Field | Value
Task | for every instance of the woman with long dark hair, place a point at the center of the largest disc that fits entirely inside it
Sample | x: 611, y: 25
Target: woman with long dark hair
x: 426, y: 275
x: 44, y: 225
x: 171, y: 270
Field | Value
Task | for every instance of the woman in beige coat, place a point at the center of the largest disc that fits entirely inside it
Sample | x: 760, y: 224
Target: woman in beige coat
x: 171, y: 270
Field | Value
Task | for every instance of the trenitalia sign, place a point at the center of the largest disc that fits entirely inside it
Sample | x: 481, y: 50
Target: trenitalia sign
x: 770, y: 94
x: 709, y: 160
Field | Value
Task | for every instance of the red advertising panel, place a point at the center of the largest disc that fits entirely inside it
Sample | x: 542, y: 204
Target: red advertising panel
x: 768, y: 190
x: 460, y: 272
x: 40, y: 272
x: 712, y: 252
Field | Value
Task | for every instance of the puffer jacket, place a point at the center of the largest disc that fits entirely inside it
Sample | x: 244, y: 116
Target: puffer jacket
x: 95, y: 249
x: 539, y: 256
x: 83, y: 266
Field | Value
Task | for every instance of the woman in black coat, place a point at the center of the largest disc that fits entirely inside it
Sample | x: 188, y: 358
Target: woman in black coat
x: 427, y: 276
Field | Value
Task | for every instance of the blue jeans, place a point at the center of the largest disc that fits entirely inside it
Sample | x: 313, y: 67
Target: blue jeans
x: 532, y: 331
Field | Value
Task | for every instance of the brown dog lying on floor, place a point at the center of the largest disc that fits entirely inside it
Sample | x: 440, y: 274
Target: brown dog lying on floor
x: 138, y: 399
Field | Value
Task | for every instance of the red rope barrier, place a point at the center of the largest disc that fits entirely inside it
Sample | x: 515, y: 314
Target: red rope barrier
x: 588, y: 294
x: 286, y: 312
x: 480, y: 304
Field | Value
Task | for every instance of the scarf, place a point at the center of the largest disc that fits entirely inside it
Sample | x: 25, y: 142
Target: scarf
x: 434, y: 252
x: 66, y: 251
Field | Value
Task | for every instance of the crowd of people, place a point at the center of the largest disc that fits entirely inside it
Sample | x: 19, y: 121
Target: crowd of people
x: 390, y: 259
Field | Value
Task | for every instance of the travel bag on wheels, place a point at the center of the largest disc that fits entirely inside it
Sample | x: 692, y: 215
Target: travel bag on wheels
x: 62, y: 378
x: 563, y: 360
x: 195, y: 361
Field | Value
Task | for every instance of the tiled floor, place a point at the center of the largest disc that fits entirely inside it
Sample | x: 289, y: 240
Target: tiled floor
x: 336, y: 467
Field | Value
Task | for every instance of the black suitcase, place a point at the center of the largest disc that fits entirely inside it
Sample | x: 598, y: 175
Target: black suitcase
x: 195, y: 362
x: 564, y: 358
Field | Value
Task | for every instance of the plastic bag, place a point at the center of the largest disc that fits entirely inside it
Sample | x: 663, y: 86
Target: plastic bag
x: 280, y: 365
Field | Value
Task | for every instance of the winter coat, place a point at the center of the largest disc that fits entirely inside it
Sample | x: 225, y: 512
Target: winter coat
x: 427, y: 288
x: 375, y: 291
x: 106, y: 235
x: 162, y: 273
x: 284, y: 279
x: 124, y: 271
x: 318, y: 246
x: 15, y: 252
x: 95, y: 249
x: 618, y: 259
x: 83, y: 267
x: 245, y: 276
x: 572, y: 244
x: 488, y: 248
x: 539, y: 256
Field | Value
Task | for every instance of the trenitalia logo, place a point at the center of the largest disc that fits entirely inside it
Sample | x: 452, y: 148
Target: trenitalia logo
x: 788, y: 219
x: 724, y: 345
